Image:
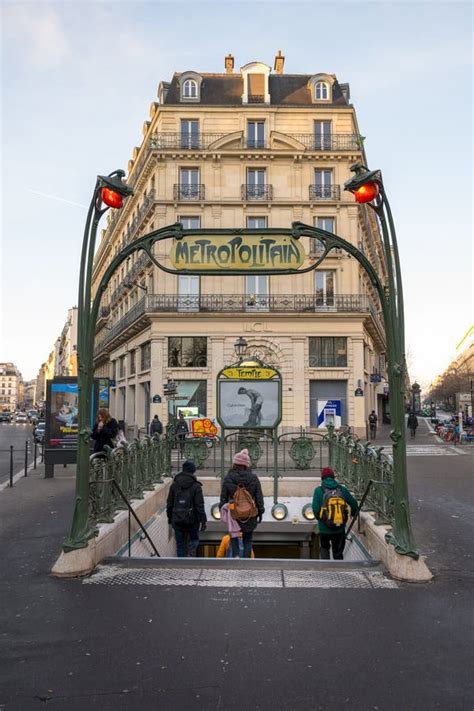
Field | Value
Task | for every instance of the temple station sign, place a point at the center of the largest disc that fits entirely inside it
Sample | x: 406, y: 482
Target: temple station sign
x: 244, y: 252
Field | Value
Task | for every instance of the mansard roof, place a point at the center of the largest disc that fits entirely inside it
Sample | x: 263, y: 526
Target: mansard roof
x: 227, y: 90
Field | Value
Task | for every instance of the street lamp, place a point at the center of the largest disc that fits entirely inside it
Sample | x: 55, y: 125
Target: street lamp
x: 110, y: 192
x: 368, y: 188
x: 240, y: 347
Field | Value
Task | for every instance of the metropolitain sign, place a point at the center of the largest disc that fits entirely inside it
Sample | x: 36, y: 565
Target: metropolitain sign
x: 237, y: 253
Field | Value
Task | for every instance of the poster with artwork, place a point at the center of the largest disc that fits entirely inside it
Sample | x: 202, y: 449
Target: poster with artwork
x: 249, y: 404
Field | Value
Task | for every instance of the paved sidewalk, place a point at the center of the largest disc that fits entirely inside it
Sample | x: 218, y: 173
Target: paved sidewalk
x: 71, y: 645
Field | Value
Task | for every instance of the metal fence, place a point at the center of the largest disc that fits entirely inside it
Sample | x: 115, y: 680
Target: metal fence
x: 357, y: 463
x: 138, y: 466
x: 18, y: 459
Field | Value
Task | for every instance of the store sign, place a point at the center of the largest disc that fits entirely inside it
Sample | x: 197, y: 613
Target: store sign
x: 249, y: 373
x: 243, y: 253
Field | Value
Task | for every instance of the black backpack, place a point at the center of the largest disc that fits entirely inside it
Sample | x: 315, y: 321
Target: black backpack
x: 183, y: 509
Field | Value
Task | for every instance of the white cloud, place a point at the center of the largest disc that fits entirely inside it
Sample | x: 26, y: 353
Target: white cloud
x: 38, y: 30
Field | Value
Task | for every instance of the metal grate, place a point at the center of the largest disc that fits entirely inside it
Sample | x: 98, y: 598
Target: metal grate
x: 205, y: 577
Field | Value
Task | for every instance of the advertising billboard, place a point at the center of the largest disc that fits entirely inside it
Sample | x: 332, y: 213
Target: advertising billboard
x: 249, y: 403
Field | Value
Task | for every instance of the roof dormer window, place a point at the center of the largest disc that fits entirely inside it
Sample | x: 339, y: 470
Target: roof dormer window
x: 255, y: 83
x: 322, y: 90
x: 190, y: 86
x: 321, y: 87
x: 190, y: 89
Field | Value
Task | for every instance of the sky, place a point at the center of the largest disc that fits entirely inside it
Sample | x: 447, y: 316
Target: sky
x: 78, y: 78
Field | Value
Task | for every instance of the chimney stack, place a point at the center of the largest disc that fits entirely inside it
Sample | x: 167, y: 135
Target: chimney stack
x: 279, y: 62
x: 229, y: 64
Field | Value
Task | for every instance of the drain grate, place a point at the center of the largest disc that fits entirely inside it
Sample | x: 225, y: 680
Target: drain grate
x: 204, y: 577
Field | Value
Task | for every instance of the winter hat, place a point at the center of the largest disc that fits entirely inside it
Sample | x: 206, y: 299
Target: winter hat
x: 189, y: 467
x: 242, y: 458
x: 327, y: 472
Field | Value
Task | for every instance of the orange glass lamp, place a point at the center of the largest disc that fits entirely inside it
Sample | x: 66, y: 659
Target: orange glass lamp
x: 113, y: 190
x: 365, y: 184
x: 111, y: 198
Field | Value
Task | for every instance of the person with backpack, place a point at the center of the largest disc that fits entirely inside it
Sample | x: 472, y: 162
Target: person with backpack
x: 185, y: 510
x: 412, y: 423
x: 373, y: 424
x: 156, y: 427
x: 241, y: 489
x: 181, y: 430
x: 331, y: 504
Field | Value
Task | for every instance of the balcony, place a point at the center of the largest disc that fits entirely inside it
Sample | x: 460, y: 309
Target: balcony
x: 141, y: 263
x: 336, y: 142
x: 185, y: 141
x: 139, y: 316
x: 174, y: 303
x: 256, y: 192
x: 189, y: 192
x: 140, y: 215
x: 324, y: 192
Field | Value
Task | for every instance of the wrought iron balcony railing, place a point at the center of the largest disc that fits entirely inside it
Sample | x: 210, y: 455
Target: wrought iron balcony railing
x: 186, y: 141
x: 189, y: 192
x: 256, y: 192
x: 334, y: 142
x: 140, y: 215
x: 324, y: 192
x: 248, y: 302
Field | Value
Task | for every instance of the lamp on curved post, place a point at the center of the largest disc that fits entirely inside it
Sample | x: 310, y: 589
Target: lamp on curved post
x: 368, y: 188
x: 110, y: 192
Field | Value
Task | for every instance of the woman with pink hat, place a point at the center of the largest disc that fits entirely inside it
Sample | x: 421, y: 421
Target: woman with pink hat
x: 242, y: 476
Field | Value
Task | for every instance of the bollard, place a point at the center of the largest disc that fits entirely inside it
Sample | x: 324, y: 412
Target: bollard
x: 11, y: 465
x: 26, y: 458
x: 36, y: 454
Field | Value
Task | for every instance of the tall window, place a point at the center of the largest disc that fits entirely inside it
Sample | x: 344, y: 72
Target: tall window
x: 114, y: 370
x: 256, y: 223
x: 256, y: 292
x: 322, y: 135
x: 324, y: 283
x: 122, y: 367
x: 189, y: 182
x: 256, y: 179
x: 255, y: 134
x: 323, y: 183
x: 187, y: 352
x: 145, y: 356
x: 190, y: 89
x: 327, y: 352
x: 322, y: 90
x: 133, y: 363
x: 189, y: 133
x: 188, y: 293
x: 190, y: 223
x: 325, y: 223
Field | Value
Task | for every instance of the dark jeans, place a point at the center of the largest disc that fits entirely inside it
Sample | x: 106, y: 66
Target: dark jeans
x: 247, y: 541
x: 181, y: 441
x: 373, y: 431
x: 336, y: 540
x: 182, y: 536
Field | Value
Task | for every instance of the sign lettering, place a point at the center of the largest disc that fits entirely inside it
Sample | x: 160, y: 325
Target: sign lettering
x: 242, y: 253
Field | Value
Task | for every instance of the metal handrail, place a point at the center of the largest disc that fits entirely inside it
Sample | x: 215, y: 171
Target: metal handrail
x: 256, y: 192
x: 131, y: 511
x: 324, y: 192
x: 189, y: 192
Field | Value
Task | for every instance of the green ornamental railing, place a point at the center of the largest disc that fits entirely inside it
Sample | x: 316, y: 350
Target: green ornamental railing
x: 135, y: 467
x: 356, y: 463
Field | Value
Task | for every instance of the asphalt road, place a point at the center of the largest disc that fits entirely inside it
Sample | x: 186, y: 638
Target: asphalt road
x: 67, y: 645
x: 16, y: 435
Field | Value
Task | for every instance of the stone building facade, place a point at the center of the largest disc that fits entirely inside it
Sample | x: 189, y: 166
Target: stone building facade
x: 11, y: 387
x: 251, y: 148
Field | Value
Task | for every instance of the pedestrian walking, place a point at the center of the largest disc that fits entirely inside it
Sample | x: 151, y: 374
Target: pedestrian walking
x: 185, y: 510
x: 331, y: 504
x: 373, y: 424
x: 412, y: 423
x: 241, y: 489
x: 181, y: 430
x: 156, y: 426
x: 456, y: 434
x: 105, y: 430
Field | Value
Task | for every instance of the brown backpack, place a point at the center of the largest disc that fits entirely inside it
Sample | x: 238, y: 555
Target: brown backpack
x: 244, y: 506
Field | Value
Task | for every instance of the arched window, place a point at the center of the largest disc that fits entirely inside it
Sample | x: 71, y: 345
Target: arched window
x: 322, y: 90
x: 190, y: 90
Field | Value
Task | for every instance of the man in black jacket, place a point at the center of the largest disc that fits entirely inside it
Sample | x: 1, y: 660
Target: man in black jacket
x: 185, y: 510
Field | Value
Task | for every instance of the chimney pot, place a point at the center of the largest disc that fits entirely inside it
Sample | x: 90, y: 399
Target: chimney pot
x: 229, y: 64
x: 279, y: 62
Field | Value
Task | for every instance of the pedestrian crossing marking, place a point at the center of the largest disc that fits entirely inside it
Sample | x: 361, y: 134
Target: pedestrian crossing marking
x: 433, y: 450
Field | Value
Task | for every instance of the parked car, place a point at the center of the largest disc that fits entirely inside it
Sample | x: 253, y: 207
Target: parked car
x: 39, y: 432
x: 21, y: 418
x: 6, y: 416
x: 32, y: 416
